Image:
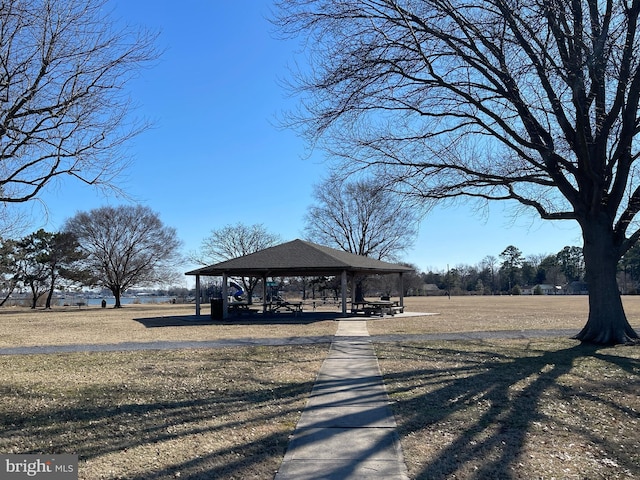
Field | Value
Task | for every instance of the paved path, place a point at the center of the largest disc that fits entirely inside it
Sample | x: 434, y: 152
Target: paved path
x: 347, y: 430
x: 246, y: 342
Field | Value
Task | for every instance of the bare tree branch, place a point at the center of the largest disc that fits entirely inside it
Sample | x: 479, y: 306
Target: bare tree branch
x: 362, y: 217
x: 536, y: 102
x: 64, y: 110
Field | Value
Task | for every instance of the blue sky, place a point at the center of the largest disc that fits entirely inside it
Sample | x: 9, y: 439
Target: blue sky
x: 215, y: 157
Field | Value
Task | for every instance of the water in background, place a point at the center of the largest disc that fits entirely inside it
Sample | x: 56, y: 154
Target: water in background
x: 111, y: 301
x: 72, y: 300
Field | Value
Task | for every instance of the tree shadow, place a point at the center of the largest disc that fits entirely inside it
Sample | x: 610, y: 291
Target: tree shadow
x: 116, y: 424
x: 505, y: 394
x: 109, y: 430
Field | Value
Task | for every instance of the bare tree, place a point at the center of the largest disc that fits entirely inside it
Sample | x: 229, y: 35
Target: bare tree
x: 63, y: 107
x: 491, y: 264
x: 361, y: 217
x: 534, y: 102
x: 232, y: 241
x: 126, y: 246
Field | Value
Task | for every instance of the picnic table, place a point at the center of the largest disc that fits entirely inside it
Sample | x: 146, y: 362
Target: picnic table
x: 376, y: 307
x: 240, y: 308
x: 276, y: 307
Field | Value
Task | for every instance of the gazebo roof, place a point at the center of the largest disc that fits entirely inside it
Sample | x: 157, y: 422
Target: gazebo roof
x: 299, y: 258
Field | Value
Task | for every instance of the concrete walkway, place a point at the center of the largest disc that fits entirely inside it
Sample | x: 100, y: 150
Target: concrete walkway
x: 347, y: 430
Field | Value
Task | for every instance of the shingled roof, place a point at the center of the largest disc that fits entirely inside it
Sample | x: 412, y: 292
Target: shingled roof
x: 299, y: 258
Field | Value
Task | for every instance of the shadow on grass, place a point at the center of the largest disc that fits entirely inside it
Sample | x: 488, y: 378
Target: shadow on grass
x: 175, y: 321
x: 219, y: 430
x: 481, y: 409
x: 305, y: 318
x: 110, y: 430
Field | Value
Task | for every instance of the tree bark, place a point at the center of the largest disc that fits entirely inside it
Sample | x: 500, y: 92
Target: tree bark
x: 49, y: 298
x: 6, y: 297
x: 116, y: 293
x: 51, y: 289
x: 607, y: 323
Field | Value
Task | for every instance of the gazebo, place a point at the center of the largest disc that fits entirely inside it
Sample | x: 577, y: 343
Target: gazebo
x: 297, y: 258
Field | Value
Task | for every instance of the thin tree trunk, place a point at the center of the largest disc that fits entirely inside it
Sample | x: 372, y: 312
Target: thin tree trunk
x: 607, y: 323
x: 34, y: 298
x: 49, y: 297
x: 9, y: 292
x: 51, y: 288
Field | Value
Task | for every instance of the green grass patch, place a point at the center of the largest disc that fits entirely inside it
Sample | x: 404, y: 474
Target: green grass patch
x: 516, y: 409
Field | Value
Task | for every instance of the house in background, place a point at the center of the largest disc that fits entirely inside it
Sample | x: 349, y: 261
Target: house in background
x: 542, y: 289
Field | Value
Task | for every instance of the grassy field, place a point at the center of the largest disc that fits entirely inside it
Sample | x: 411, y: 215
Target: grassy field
x: 541, y: 408
x: 517, y: 409
x: 197, y: 414
x: 21, y: 326
x: 469, y: 314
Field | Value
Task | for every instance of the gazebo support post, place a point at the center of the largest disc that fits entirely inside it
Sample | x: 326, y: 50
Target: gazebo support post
x: 225, y: 295
x: 264, y: 293
x: 353, y: 288
x: 197, y: 295
x: 400, y: 279
x: 344, y: 292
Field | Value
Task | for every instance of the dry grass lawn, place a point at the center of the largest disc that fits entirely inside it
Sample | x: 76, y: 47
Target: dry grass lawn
x: 516, y: 409
x: 513, y: 409
x: 21, y: 326
x: 469, y: 314
x: 197, y: 414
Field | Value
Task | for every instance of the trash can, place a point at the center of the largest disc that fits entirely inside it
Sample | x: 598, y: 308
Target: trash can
x: 216, y: 308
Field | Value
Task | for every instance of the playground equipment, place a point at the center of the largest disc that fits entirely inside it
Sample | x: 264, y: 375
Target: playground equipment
x: 239, y: 291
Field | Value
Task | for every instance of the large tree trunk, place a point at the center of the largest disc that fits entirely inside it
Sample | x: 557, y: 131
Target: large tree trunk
x: 607, y: 323
x: 116, y: 293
